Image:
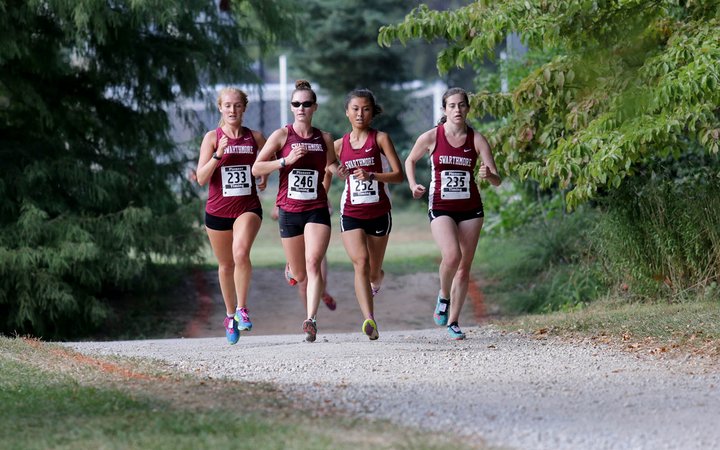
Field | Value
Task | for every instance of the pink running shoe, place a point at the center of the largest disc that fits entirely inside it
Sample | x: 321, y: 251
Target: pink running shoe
x: 288, y: 276
x: 231, y: 330
x: 329, y: 301
x: 243, y: 319
x: 310, y: 330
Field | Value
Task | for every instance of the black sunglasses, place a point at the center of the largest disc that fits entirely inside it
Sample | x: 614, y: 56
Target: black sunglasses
x: 304, y: 104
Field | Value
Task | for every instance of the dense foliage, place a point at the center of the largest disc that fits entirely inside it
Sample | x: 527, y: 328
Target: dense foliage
x: 629, y: 80
x: 91, y: 189
x: 660, y: 233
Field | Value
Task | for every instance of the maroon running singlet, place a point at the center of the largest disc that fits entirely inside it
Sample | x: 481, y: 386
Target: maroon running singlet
x: 232, y: 190
x: 301, y: 187
x: 453, y: 186
x: 366, y: 199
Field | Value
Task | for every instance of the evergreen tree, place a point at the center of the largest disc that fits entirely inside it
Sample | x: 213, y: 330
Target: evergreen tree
x: 92, y: 192
x: 340, y: 53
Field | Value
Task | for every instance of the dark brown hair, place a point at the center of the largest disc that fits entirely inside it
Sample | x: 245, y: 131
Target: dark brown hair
x: 449, y: 93
x: 304, y: 85
x: 364, y: 93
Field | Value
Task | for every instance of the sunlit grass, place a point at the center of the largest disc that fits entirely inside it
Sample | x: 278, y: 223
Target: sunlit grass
x: 690, y: 326
x: 544, y: 279
x: 410, y: 249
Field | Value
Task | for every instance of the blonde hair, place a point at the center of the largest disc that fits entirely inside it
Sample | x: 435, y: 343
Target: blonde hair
x: 230, y: 90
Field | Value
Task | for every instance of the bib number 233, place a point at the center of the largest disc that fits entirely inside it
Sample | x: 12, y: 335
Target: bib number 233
x: 236, y: 181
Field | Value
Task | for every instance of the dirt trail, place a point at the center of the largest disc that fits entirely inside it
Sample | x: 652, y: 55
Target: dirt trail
x: 504, y: 389
x: 405, y: 302
x: 507, y: 390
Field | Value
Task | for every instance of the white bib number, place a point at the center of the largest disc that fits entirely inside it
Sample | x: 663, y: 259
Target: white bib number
x: 236, y: 181
x: 455, y: 184
x: 302, y: 184
x: 362, y: 192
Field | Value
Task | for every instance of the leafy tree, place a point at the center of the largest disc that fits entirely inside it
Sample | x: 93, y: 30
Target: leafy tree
x: 92, y: 192
x: 629, y: 80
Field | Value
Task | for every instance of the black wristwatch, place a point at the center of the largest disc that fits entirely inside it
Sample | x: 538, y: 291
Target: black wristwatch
x: 215, y: 156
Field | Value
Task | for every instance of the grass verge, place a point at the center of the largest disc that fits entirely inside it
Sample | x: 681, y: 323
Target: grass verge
x: 676, y: 329
x: 410, y: 248
x: 52, y: 397
x: 542, y: 267
x: 544, y: 280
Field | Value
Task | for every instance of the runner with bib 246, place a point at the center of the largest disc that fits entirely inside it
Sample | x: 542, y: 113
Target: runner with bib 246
x: 301, y: 153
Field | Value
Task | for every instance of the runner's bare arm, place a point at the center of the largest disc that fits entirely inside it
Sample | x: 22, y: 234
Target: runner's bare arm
x: 487, y: 171
x: 260, y: 140
x: 266, y: 162
x: 424, y: 143
x: 395, y: 175
x: 206, y: 164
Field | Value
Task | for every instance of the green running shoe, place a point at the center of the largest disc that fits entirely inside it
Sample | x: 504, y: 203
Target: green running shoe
x: 369, y: 327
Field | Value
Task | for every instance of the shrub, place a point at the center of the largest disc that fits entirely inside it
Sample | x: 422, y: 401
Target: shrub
x: 660, y: 235
x: 547, y: 265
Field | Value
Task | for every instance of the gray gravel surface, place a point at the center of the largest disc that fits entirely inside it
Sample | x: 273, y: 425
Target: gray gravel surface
x: 507, y: 389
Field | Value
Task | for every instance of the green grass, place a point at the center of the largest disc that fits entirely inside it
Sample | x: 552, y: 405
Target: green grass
x: 410, y: 249
x: 545, y: 279
x: 541, y: 268
x: 51, y: 397
x: 689, y: 327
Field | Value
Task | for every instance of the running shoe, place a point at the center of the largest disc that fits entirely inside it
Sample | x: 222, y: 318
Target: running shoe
x: 375, y: 290
x: 441, y: 311
x: 369, y: 327
x: 231, y: 330
x: 329, y: 301
x: 310, y: 330
x: 288, y: 276
x: 455, y: 332
x: 243, y: 320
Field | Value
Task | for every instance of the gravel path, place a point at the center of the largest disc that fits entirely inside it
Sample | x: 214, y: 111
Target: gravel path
x: 506, y: 389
